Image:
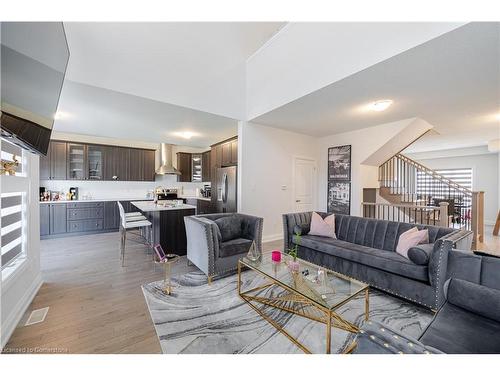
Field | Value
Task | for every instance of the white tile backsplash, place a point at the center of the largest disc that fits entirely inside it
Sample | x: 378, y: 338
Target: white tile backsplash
x: 122, y: 189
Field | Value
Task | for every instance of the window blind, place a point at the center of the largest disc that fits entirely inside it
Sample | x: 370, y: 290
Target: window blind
x: 431, y: 187
x: 12, y: 226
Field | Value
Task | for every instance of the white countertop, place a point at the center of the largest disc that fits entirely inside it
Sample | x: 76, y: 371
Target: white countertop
x: 98, y: 200
x: 146, y: 206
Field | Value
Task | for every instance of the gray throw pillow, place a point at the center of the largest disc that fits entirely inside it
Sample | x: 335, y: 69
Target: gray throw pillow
x: 421, y: 254
x: 301, y: 229
x: 230, y: 227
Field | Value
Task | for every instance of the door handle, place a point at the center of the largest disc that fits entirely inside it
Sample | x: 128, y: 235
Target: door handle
x: 297, y: 200
x: 224, y: 187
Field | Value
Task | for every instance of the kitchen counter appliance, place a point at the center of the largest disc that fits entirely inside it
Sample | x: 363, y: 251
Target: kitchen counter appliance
x: 226, y: 189
x: 162, y: 194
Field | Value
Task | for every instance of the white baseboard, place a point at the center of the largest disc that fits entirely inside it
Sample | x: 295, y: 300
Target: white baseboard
x: 11, y: 322
x: 272, y: 237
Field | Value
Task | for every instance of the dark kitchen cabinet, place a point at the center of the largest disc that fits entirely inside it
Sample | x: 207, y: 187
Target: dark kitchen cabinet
x: 45, y: 165
x: 205, y: 167
x: 234, y: 152
x: 184, y: 166
x: 44, y: 219
x: 77, y: 163
x: 111, y: 215
x: 215, y: 162
x: 116, y: 163
x: 203, y: 207
x: 58, y: 161
x: 58, y: 218
x: 149, y: 165
x: 173, y: 231
x: 123, y: 156
x: 196, y: 167
x: 226, y: 154
x: 230, y: 153
x: 136, y: 165
x: 95, y: 163
x: 110, y: 164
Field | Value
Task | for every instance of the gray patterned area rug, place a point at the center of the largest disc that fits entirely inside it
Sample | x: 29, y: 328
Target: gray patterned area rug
x: 200, y: 319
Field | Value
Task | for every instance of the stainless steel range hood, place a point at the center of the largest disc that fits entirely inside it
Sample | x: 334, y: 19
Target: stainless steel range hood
x: 166, y: 166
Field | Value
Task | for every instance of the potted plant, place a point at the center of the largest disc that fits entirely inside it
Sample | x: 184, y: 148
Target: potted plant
x: 293, y: 265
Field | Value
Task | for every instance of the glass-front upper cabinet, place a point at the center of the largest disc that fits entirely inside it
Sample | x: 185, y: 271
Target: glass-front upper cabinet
x: 95, y: 160
x: 196, y: 168
x: 76, y: 161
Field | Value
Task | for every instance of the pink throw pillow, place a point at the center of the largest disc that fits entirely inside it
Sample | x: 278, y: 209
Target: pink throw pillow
x: 412, y: 237
x: 322, y: 227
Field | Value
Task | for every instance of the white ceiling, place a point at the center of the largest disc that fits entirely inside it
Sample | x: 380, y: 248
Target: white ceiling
x: 451, y: 81
x: 196, y: 65
x: 95, y: 111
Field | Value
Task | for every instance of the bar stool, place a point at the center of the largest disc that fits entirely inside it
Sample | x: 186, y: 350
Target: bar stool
x: 130, y: 223
x: 135, y: 216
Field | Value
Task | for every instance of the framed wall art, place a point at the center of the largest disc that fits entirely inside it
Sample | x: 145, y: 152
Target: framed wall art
x: 339, y: 180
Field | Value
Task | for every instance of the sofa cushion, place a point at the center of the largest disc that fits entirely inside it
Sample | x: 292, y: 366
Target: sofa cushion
x: 410, y: 238
x: 478, y: 299
x: 234, y: 247
x: 322, y: 227
x: 301, y: 229
x: 230, y: 227
x: 381, y: 259
x: 455, y: 330
x: 421, y: 254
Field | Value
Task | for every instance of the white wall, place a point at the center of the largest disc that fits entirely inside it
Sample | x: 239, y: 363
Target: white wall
x: 303, y: 57
x: 266, y: 163
x: 364, y: 142
x: 485, y: 175
x: 18, y: 290
x: 266, y: 157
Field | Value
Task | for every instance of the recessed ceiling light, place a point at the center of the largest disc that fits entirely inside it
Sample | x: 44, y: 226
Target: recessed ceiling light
x: 185, y: 135
x: 380, y: 105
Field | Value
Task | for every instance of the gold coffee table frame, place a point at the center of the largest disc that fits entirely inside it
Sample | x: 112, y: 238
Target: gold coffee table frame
x: 297, y: 303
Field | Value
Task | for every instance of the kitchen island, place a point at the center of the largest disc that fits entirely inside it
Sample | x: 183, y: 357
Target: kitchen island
x: 168, y: 224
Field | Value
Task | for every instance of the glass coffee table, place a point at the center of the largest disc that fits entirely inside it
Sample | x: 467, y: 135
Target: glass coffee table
x: 313, y: 292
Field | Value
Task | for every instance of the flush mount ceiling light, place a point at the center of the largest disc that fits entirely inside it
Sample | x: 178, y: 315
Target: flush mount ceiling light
x: 61, y: 115
x: 185, y: 135
x: 380, y: 105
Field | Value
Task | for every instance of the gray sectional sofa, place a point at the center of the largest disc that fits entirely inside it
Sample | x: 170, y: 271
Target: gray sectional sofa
x: 468, y: 322
x: 365, y: 250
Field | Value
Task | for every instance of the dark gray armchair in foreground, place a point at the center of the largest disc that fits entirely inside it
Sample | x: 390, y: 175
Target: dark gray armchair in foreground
x: 216, y: 242
x: 467, y: 323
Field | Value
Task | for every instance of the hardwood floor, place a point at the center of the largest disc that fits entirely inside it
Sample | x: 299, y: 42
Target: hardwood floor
x: 96, y: 306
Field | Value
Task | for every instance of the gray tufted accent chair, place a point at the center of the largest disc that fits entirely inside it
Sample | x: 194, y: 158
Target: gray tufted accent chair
x: 208, y: 250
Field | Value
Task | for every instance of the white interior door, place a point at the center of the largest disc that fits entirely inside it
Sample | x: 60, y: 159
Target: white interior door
x: 304, y: 184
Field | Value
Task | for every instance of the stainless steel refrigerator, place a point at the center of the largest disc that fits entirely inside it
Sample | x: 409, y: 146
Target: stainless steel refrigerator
x: 226, y: 189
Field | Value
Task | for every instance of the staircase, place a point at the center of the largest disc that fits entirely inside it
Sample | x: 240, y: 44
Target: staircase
x: 415, y: 193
